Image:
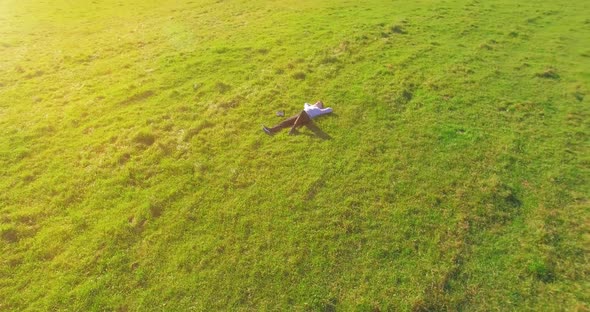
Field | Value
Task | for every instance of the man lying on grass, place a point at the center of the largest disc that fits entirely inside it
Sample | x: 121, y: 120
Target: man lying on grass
x: 305, y: 116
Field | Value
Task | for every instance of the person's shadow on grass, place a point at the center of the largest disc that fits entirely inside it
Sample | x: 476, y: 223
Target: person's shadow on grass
x: 317, y: 132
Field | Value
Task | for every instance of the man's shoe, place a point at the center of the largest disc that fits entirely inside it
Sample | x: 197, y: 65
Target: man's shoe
x: 266, y: 130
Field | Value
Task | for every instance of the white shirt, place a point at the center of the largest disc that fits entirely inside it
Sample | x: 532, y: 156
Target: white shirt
x: 314, y: 111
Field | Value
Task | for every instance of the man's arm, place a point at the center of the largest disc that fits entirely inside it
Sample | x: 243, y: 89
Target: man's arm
x: 326, y: 110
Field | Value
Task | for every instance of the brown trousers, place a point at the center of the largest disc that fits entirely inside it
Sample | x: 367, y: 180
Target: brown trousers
x: 296, y: 121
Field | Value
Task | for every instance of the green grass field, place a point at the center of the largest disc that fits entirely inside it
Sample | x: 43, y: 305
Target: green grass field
x: 453, y: 174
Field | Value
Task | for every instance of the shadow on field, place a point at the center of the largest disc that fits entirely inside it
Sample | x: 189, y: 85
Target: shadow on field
x: 317, y: 131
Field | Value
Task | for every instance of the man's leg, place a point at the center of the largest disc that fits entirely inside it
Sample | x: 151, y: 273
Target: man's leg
x: 284, y: 124
x: 301, y: 120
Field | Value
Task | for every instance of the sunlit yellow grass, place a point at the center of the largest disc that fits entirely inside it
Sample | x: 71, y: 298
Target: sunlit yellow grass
x: 134, y: 174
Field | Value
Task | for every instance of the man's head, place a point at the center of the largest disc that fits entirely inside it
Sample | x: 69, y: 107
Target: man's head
x: 319, y: 104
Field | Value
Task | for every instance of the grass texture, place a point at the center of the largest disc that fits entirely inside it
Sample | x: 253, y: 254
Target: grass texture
x: 453, y: 174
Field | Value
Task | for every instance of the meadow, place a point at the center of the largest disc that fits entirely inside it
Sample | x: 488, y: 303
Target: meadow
x: 452, y: 175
